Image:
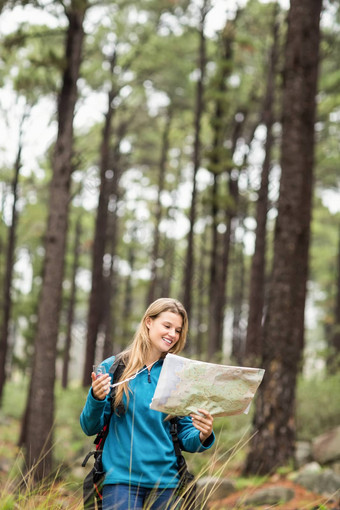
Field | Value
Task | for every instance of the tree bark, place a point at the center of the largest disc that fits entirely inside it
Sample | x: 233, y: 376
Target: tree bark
x: 237, y: 304
x: 257, y: 275
x: 41, y: 406
x: 169, y: 257
x: 151, y: 296
x: 201, y: 316
x: 7, y: 287
x: 128, y: 296
x: 71, y: 306
x: 223, y: 266
x: 110, y: 280
x: 110, y: 288
x: 169, y: 244
x: 96, y: 301
x: 199, y: 108
x: 218, y: 291
x: 217, y: 166
x: 273, y: 444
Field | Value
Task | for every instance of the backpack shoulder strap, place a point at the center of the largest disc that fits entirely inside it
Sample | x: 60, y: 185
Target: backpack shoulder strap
x: 181, y: 463
x: 116, y: 369
x: 187, y: 485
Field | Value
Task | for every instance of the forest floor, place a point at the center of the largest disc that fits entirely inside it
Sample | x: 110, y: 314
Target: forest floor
x: 60, y: 495
x: 70, y: 445
x: 303, y: 499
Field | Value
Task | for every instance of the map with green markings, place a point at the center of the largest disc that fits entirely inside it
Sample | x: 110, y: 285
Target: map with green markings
x: 186, y: 385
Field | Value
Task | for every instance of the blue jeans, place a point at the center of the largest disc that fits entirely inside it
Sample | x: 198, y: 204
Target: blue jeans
x: 131, y: 497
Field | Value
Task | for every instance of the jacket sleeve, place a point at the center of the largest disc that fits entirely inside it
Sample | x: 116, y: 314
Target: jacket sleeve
x: 189, y: 438
x: 96, y: 413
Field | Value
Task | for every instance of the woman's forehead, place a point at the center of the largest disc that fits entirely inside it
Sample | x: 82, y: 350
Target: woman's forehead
x: 172, y: 317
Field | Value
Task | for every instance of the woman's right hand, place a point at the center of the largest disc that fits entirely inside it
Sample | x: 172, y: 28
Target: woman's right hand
x: 100, y: 385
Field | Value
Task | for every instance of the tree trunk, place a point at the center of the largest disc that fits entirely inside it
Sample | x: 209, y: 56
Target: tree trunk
x: 169, y: 257
x: 71, y: 306
x: 273, y: 444
x: 110, y: 288
x: 41, y: 406
x: 110, y: 281
x: 201, y: 316
x: 151, y: 296
x: 238, y: 346
x: 128, y: 297
x: 169, y: 244
x: 96, y: 302
x: 257, y: 275
x: 189, y: 267
x: 217, y: 166
x: 7, y: 298
x: 223, y: 265
x: 218, y: 293
x: 215, y: 257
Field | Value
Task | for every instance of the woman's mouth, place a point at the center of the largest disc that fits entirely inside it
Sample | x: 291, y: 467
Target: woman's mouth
x: 167, y: 340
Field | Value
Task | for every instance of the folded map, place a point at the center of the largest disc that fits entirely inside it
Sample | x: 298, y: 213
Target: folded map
x: 186, y: 385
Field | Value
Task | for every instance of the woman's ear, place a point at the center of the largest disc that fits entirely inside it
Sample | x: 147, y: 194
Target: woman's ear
x: 148, y: 322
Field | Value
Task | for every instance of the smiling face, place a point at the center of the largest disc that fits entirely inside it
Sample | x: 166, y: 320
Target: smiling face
x: 164, y: 332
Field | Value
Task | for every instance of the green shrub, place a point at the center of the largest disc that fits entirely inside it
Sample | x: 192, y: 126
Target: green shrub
x: 14, y: 398
x: 318, y: 405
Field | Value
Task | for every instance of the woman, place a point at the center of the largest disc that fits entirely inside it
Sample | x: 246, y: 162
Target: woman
x: 138, y: 457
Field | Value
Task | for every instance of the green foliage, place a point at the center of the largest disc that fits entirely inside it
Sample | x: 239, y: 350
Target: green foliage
x: 316, y: 412
x: 7, y: 502
x: 37, y: 65
x: 69, y: 405
x: 49, y: 494
x: 15, y: 392
x: 324, y: 256
x: 318, y: 405
x: 70, y: 442
x: 253, y: 481
x: 146, y: 54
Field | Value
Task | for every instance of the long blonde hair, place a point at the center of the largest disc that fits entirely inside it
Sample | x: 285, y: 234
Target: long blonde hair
x: 135, y: 356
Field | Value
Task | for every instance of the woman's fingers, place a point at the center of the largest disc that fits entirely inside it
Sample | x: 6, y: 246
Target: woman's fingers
x: 203, y: 422
x: 100, y: 385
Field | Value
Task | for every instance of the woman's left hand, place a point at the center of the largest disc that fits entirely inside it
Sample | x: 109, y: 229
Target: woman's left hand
x: 203, y: 423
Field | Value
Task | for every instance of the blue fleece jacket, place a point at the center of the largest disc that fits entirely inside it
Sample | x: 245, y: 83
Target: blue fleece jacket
x: 139, y: 448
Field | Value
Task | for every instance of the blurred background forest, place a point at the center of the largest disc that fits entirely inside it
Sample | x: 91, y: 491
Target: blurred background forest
x: 141, y: 154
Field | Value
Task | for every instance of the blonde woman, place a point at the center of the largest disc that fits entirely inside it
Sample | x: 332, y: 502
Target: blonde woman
x: 138, y: 456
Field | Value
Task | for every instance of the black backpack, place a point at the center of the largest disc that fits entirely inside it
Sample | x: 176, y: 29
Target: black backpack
x: 93, y: 482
